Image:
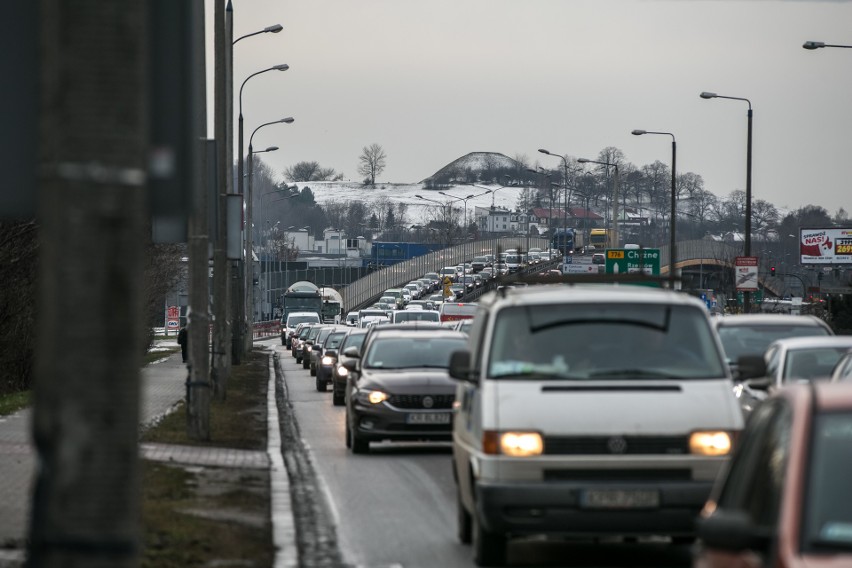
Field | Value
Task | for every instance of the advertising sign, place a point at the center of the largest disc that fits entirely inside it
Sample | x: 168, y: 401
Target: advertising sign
x: 745, y: 273
x: 825, y: 246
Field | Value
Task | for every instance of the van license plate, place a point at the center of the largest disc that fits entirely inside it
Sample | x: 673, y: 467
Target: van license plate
x: 429, y: 418
x: 619, y: 499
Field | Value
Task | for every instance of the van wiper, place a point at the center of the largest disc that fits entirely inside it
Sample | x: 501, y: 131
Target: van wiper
x: 639, y: 373
x: 534, y: 375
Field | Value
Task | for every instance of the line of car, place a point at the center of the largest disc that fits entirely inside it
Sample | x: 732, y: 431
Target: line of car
x: 598, y: 411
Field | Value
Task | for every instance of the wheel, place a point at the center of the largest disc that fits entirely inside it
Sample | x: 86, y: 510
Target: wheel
x: 489, y: 549
x: 337, y: 398
x: 320, y: 385
x: 306, y: 363
x: 313, y: 370
x: 348, y: 433
x: 356, y: 444
x: 465, y: 522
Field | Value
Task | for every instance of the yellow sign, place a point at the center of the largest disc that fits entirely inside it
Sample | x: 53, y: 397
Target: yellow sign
x: 615, y: 254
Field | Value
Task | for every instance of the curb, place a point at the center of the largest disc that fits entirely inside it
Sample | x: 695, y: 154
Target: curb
x: 283, y: 525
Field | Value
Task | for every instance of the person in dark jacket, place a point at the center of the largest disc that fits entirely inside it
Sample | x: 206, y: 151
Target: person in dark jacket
x: 183, y: 340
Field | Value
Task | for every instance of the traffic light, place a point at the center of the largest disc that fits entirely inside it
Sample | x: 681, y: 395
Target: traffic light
x: 772, y: 271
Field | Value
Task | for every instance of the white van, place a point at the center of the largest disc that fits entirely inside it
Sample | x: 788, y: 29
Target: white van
x: 294, y: 319
x: 588, y: 411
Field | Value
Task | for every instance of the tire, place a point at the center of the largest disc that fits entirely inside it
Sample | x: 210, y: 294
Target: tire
x: 489, y: 549
x: 320, y: 384
x: 464, y: 520
x: 348, y: 433
x: 298, y: 360
x: 306, y: 362
x: 337, y: 398
x: 356, y: 444
x: 313, y: 370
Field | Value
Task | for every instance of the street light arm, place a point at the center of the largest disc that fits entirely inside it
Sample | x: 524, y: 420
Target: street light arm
x: 287, y: 120
x: 269, y: 29
x: 281, y: 67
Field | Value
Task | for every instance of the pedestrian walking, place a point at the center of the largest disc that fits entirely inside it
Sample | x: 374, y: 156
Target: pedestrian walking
x: 183, y: 340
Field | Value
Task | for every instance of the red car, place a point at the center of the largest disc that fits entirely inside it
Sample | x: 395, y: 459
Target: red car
x: 786, y: 498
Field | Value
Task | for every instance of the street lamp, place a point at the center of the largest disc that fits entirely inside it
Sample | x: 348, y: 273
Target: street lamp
x: 565, y: 189
x: 820, y: 44
x: 614, y: 197
x: 673, y: 213
x: 267, y: 30
x: 249, y: 208
x: 747, y: 251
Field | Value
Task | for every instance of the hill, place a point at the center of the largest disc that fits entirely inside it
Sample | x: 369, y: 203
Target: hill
x: 483, y: 167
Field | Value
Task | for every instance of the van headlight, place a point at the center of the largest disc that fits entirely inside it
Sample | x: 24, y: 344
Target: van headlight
x: 710, y: 443
x: 514, y: 444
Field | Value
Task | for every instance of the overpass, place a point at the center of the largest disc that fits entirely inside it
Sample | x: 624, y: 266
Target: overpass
x: 703, y: 264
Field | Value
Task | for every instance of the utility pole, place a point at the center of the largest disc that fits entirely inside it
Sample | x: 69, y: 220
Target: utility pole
x: 236, y: 284
x: 221, y: 368
x: 93, y: 222
x: 198, y: 382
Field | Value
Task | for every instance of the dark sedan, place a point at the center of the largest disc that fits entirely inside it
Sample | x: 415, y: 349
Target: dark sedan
x: 402, y: 390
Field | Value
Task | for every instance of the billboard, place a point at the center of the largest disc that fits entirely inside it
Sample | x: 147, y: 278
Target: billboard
x: 825, y: 246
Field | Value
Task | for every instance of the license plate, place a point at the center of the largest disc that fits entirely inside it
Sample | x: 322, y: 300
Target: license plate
x: 620, y: 499
x: 429, y: 418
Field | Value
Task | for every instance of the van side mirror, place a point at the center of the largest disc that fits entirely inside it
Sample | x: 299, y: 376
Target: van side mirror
x: 460, y: 366
x: 750, y: 367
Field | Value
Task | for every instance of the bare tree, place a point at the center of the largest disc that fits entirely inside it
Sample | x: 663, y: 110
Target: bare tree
x: 310, y: 171
x: 373, y: 163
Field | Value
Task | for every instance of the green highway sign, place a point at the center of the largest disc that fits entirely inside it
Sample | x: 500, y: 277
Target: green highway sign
x: 626, y: 261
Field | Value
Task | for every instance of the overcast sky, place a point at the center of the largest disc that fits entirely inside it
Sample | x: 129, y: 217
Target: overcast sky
x: 433, y: 80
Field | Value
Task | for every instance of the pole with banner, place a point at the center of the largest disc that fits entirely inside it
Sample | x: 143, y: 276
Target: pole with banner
x: 745, y: 276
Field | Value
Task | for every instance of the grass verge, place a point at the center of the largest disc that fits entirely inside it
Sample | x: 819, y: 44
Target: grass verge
x: 152, y: 356
x: 204, y: 516
x: 10, y: 403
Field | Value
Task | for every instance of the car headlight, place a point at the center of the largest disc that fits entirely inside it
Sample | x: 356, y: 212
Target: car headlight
x: 372, y: 396
x: 710, y: 443
x: 342, y: 371
x: 515, y: 444
x: 307, y: 347
x: 327, y: 360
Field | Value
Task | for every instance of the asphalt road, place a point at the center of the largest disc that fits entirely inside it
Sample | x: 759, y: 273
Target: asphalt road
x: 395, y: 507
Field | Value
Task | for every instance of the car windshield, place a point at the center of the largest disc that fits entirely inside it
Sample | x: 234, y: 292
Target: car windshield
x: 810, y: 363
x: 304, y: 333
x: 405, y: 353
x: 739, y: 340
x: 354, y: 340
x: 415, y: 315
x: 603, y: 341
x: 828, y: 510
x: 293, y: 321
x: 334, y: 340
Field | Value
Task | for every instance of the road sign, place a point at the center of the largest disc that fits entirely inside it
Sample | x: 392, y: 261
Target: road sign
x: 627, y: 261
x: 172, y: 312
x: 580, y: 268
x: 745, y: 273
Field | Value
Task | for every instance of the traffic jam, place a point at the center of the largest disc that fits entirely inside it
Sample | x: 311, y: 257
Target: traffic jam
x: 551, y: 424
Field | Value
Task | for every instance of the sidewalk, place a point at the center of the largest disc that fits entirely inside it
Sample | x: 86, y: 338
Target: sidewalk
x: 162, y: 386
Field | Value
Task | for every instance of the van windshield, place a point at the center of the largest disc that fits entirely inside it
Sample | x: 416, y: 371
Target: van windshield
x: 602, y: 342
x: 293, y: 321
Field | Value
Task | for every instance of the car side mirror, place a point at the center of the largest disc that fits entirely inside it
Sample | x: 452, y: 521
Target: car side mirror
x: 460, y: 366
x: 352, y: 352
x: 732, y: 531
x: 352, y: 365
x: 750, y: 367
x: 762, y: 383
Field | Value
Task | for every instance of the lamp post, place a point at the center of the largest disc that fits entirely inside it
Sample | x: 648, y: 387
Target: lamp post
x: 812, y: 45
x: 673, y: 213
x: 747, y: 237
x: 565, y: 189
x: 249, y: 228
x: 614, y: 197
x: 243, y: 304
x: 264, y: 222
